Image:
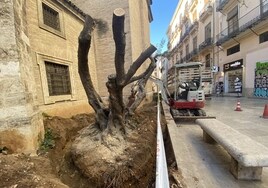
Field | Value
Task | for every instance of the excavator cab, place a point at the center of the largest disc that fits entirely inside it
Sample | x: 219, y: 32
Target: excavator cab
x: 185, y: 87
x: 184, y: 84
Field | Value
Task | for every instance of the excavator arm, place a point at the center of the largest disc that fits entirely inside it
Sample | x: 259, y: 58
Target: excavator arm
x: 164, y: 92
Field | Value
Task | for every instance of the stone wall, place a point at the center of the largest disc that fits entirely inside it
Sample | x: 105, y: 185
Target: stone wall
x: 21, y: 126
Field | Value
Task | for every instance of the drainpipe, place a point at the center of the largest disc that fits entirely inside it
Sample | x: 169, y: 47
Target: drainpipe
x: 213, y: 45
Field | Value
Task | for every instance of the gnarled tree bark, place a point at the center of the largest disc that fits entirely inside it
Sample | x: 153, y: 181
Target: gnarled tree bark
x: 114, y: 117
x: 93, y: 97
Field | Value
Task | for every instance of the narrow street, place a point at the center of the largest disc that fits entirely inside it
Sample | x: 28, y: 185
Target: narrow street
x: 205, y: 165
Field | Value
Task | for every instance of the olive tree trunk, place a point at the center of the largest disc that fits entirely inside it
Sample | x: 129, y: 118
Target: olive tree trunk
x: 113, y: 115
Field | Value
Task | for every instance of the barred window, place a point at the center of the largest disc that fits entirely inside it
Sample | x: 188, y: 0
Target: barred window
x: 58, y: 79
x: 263, y: 37
x: 233, y: 50
x: 51, y: 17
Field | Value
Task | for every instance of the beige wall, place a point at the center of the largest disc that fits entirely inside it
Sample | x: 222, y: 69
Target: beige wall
x: 62, y: 49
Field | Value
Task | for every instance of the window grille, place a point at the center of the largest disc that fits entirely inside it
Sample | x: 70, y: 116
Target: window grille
x: 51, y: 17
x: 263, y: 37
x: 58, y: 79
x: 233, y: 50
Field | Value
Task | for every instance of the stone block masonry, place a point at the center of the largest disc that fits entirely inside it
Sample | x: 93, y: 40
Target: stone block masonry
x: 21, y: 125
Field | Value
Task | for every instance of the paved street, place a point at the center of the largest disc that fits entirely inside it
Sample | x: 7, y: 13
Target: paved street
x: 205, y: 165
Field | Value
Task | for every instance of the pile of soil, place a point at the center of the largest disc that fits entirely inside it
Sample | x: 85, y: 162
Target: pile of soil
x: 54, y: 165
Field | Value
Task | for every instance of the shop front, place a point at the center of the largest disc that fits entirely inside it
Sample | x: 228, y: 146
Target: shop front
x: 261, y: 79
x: 232, y: 71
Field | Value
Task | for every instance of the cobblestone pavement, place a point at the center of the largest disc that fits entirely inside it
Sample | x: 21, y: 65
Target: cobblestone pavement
x: 205, y: 165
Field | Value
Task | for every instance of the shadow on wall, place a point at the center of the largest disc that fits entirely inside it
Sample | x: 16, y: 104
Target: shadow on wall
x: 102, y: 26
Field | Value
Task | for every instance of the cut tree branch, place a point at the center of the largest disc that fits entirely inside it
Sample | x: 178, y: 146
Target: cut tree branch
x: 148, y: 71
x: 138, y: 93
x: 83, y: 48
x: 120, y: 43
x: 136, y: 64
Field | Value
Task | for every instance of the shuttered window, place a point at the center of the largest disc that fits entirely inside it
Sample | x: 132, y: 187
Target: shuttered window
x: 208, y: 31
x: 232, y: 19
x: 195, y: 43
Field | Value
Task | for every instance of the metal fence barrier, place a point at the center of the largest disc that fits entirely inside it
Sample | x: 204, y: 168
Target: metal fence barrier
x: 162, y: 180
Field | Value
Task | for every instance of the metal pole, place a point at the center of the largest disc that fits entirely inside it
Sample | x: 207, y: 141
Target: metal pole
x: 213, y: 44
x: 175, y: 93
x: 200, y: 73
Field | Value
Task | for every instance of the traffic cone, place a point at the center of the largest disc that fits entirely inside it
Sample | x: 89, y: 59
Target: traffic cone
x: 238, y: 107
x: 265, y: 112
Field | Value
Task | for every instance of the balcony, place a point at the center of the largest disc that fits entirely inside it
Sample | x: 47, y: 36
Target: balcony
x: 222, y: 4
x: 189, y: 56
x: 194, y: 27
x: 182, y: 60
x: 188, y: 30
x: 186, y: 34
x: 194, y: 52
x: 192, y: 4
x: 248, y: 21
x: 207, y: 43
x: 205, y: 12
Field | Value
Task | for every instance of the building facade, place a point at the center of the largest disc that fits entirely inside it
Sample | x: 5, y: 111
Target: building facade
x: 229, y: 37
x: 191, y: 33
x: 38, y: 61
x: 54, y: 27
x: 242, y: 42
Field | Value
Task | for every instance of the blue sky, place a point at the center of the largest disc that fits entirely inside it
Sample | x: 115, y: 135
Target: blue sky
x: 162, y: 14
